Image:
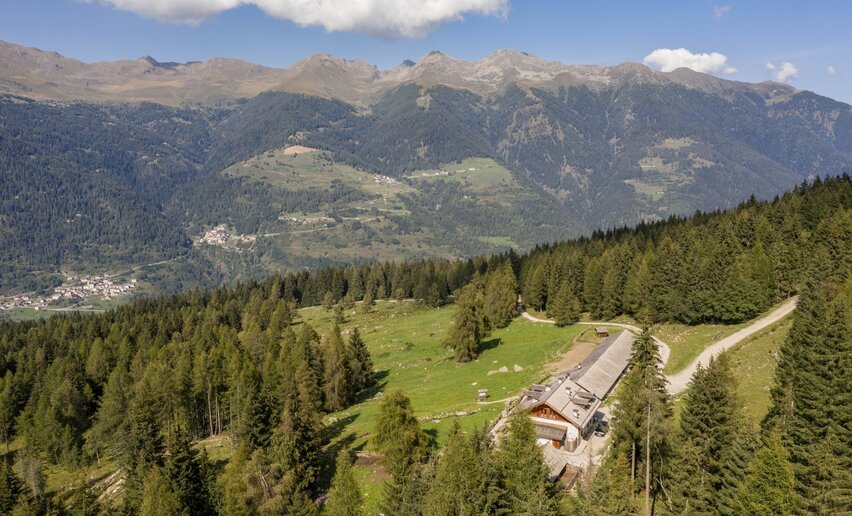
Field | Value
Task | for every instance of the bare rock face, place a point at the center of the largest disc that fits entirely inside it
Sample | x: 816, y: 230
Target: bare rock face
x: 44, y: 75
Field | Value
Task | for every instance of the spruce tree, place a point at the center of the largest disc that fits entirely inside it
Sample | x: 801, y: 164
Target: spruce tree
x: 643, y: 412
x: 10, y: 487
x: 460, y: 486
x: 769, y: 487
x: 566, y: 307
x: 184, y: 473
x: 344, y: 496
x: 710, y: 422
x: 810, y: 400
x: 360, y: 362
x: 465, y: 335
x: 522, y: 474
x: 159, y: 496
x: 611, y: 491
x: 500, y: 302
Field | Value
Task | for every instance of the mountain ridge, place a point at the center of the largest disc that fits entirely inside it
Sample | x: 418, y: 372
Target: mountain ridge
x: 48, y: 75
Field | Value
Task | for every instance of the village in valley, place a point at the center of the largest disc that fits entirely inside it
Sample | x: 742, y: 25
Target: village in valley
x: 75, y: 290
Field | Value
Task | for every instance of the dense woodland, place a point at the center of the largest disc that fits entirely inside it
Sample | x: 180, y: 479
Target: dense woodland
x: 137, y: 384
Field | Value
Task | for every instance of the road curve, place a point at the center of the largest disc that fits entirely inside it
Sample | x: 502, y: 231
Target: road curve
x: 679, y: 381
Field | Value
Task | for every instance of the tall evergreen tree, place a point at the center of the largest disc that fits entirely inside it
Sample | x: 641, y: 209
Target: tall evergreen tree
x: 336, y: 374
x: 500, y: 302
x: 461, y: 484
x: 643, y: 412
x: 344, y: 496
x: 360, y: 362
x: 769, y: 487
x: 710, y: 422
x: 466, y: 333
x: 566, y: 307
x: 522, y: 474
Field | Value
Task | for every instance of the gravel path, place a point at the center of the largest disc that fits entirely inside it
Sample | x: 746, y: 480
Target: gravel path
x: 680, y: 380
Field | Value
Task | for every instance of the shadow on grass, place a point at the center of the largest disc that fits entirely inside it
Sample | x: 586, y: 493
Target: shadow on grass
x: 378, y: 386
x: 489, y: 344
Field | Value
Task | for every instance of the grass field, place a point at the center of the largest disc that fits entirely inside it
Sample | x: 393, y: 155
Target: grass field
x: 754, y: 361
x: 405, y: 340
x: 484, y: 179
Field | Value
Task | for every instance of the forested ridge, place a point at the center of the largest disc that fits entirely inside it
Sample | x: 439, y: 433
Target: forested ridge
x: 97, y: 187
x: 137, y: 384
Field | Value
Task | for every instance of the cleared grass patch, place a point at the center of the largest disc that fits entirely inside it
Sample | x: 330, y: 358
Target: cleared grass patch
x: 405, y: 340
x: 754, y: 361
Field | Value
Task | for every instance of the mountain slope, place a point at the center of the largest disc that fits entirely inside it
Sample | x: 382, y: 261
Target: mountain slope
x: 572, y: 148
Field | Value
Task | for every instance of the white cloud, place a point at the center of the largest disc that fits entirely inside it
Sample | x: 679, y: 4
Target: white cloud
x: 720, y: 10
x: 831, y: 70
x: 668, y: 59
x: 386, y: 18
x: 785, y: 72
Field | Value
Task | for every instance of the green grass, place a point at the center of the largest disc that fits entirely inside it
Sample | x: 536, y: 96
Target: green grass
x: 754, y: 361
x: 405, y: 340
x: 687, y: 342
x: 484, y: 180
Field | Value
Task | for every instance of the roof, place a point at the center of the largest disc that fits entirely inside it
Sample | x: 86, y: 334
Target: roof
x: 549, y: 432
x: 554, y: 460
x: 570, y: 400
x: 602, y: 368
x: 601, y: 329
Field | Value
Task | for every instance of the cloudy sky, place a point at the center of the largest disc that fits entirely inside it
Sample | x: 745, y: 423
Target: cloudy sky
x: 807, y: 44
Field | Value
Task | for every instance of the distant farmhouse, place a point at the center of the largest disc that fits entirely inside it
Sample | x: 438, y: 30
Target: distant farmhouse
x: 565, y: 411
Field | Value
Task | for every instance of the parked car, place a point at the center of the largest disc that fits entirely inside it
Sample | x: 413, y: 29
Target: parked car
x: 602, y: 428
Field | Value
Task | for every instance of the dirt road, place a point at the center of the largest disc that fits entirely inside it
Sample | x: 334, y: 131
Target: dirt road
x: 679, y: 381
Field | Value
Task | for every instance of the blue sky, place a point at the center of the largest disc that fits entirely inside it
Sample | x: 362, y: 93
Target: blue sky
x: 754, y: 37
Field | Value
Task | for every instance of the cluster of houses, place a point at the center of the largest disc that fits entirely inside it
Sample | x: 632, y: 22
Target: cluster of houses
x: 84, y: 287
x: 92, y: 286
x: 566, y: 412
x: 220, y: 235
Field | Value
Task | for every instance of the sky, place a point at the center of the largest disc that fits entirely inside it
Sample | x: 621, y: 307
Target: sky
x: 805, y: 44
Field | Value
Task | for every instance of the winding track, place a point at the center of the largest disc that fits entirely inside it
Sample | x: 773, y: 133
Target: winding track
x: 678, y: 381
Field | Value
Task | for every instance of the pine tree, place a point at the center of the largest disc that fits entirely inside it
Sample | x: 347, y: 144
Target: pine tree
x: 368, y: 303
x: 344, y: 496
x: 769, y: 487
x: 810, y: 400
x: 566, y: 307
x: 501, y: 297
x: 159, y: 496
x: 397, y: 433
x: 611, y: 491
x: 521, y: 471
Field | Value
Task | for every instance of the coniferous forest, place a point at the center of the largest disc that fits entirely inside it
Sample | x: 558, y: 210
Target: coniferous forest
x: 140, y: 383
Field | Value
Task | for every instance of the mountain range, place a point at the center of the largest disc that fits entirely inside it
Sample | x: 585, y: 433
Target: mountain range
x: 110, y: 165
